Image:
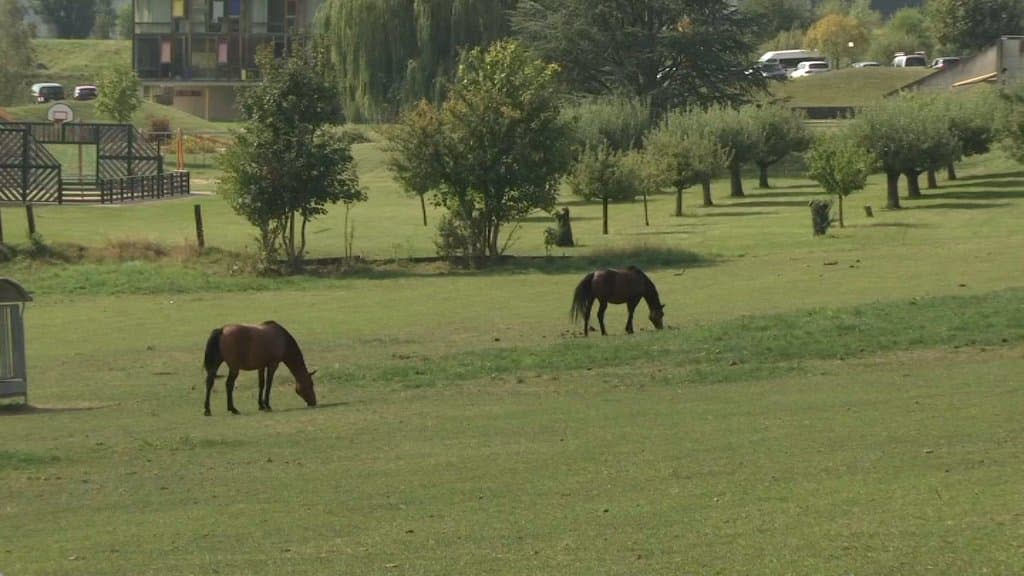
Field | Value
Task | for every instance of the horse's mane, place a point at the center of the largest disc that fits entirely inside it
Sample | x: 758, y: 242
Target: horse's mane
x: 289, y: 339
x: 648, y: 283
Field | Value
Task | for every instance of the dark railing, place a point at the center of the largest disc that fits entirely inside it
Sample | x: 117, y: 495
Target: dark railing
x: 152, y: 187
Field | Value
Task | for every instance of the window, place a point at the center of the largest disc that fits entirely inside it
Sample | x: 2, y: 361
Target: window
x: 178, y: 9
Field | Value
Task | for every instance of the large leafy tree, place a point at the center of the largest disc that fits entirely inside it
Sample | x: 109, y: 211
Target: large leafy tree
x: 970, y: 25
x: 16, y: 47
x: 494, y: 150
x: 674, y: 52
x: 776, y: 16
x: 106, y: 20
x: 390, y: 53
x: 906, y: 31
x: 118, y: 94
x: 837, y: 36
x: 288, y: 164
x: 780, y: 132
x: 735, y: 131
x: 69, y: 18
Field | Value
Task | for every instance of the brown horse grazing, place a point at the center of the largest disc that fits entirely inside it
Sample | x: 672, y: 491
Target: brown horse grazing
x: 256, y: 347
x: 616, y: 287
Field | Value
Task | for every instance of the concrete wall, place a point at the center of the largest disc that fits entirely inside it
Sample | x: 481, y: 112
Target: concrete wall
x: 1005, y: 57
x: 215, y: 103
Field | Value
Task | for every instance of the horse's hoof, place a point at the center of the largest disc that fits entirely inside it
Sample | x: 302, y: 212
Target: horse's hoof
x: 268, y: 408
x: 207, y: 413
x: 233, y: 411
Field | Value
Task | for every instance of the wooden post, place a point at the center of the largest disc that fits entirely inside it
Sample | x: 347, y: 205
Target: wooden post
x: 31, y: 221
x: 200, y: 238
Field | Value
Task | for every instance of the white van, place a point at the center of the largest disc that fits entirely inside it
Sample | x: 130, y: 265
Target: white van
x: 790, y: 59
x: 902, y: 60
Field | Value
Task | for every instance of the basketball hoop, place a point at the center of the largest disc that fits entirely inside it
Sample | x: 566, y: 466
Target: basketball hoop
x: 60, y: 113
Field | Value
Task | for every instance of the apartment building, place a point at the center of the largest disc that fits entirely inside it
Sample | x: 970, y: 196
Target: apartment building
x: 194, y: 54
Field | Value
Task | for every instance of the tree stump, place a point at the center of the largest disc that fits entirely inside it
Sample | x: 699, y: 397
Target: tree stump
x: 868, y: 212
x: 821, y: 217
x: 564, y: 236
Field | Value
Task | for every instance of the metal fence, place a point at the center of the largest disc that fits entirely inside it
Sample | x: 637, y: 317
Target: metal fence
x: 149, y: 187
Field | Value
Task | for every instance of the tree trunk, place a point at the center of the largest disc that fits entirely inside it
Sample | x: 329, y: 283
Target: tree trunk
x: 647, y: 220
x: 762, y: 179
x: 950, y: 172
x: 706, y: 192
x: 423, y: 208
x: 679, y: 201
x: 913, y: 186
x: 291, y: 237
x: 736, y: 180
x: 841, y: 223
x: 932, y: 184
x: 604, y: 215
x: 892, y: 189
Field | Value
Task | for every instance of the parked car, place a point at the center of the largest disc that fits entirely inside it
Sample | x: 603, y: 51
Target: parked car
x: 47, y: 92
x: 866, y: 64
x: 85, y: 92
x: 945, y: 61
x: 769, y: 70
x: 916, y: 59
x: 809, y: 68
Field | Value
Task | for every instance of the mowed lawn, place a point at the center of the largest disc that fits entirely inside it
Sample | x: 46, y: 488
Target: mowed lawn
x: 847, y: 404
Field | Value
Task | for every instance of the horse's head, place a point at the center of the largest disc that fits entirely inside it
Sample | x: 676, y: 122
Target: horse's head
x: 304, y: 388
x: 656, y: 316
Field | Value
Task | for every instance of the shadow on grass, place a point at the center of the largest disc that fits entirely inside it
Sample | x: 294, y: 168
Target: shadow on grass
x: 781, y: 193
x: 1016, y: 174
x: 765, y: 203
x: 716, y: 214
x: 648, y: 258
x: 321, y: 406
x: 887, y: 225
x: 962, y: 205
x: 1017, y: 192
x: 29, y: 409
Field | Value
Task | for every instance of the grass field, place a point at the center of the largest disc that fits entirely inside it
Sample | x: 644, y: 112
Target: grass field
x: 839, y: 405
x: 845, y: 87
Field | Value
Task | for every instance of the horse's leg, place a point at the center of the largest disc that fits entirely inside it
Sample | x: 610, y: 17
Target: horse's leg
x: 210, y: 375
x: 600, y: 316
x: 586, y: 318
x: 232, y: 375
x: 270, y: 381
x: 259, y: 397
x: 631, y: 305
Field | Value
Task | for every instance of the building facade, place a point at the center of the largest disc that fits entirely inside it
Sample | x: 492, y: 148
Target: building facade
x: 194, y: 54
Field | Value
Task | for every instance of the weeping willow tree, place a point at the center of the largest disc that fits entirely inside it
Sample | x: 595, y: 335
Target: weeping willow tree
x: 388, y: 53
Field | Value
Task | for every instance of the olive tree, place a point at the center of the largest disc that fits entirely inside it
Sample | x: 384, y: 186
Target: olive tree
x: 736, y: 132
x: 287, y: 163
x: 683, y: 151
x: 780, y: 132
x: 607, y: 131
x: 840, y: 164
x: 494, y: 151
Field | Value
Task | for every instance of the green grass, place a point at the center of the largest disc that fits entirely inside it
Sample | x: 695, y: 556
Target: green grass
x: 86, y: 112
x: 71, y: 62
x: 847, y: 404
x: 845, y: 87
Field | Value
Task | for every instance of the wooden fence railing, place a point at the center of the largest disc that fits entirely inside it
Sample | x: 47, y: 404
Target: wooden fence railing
x: 151, y: 187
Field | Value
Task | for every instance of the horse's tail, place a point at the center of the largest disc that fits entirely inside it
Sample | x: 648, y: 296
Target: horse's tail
x: 582, y: 297
x: 212, y: 358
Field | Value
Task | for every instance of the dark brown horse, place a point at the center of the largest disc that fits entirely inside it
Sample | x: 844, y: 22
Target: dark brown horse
x: 616, y: 287
x: 256, y: 347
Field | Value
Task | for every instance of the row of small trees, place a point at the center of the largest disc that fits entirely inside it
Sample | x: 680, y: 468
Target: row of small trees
x: 498, y: 148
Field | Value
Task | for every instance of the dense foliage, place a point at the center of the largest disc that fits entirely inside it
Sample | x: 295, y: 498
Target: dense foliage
x: 16, y: 48
x: 683, y: 151
x: 655, y: 49
x: 288, y: 164
x: 391, y: 53
x: 970, y: 25
x: 69, y: 18
x: 118, y: 94
x: 492, y: 152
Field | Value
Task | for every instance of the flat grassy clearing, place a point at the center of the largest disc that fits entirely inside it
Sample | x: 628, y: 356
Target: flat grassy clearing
x: 846, y: 404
